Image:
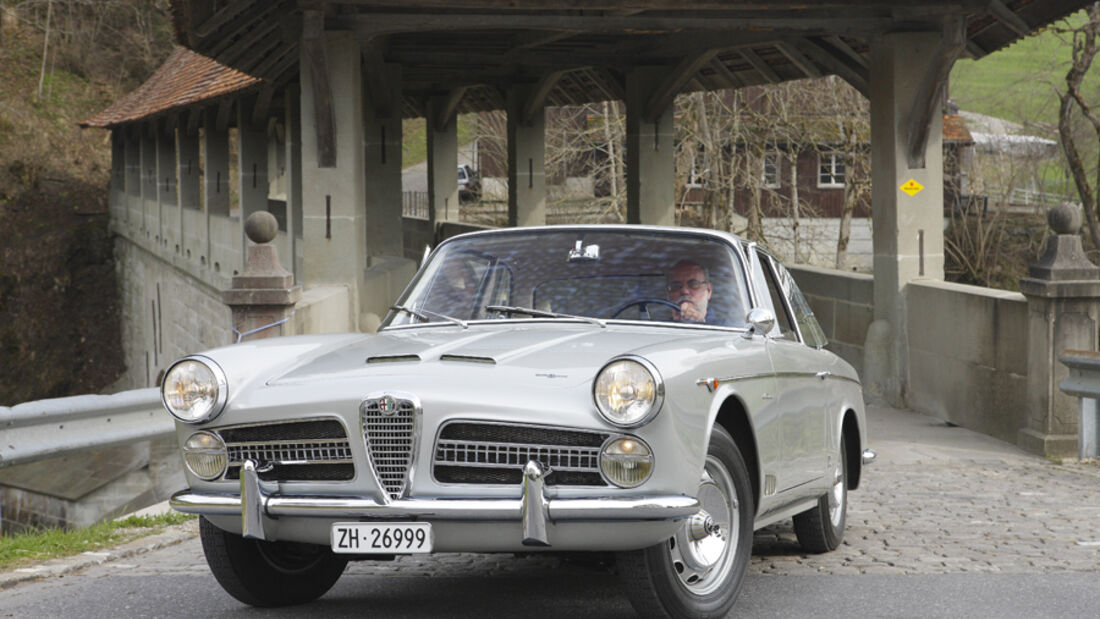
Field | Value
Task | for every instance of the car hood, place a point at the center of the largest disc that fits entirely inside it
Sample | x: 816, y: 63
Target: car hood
x: 569, y: 354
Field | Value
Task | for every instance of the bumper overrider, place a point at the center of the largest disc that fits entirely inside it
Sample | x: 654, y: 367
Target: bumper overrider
x: 534, y: 509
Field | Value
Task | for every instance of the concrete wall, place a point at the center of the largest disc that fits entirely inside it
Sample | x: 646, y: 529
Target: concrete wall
x: 968, y: 356
x: 844, y: 305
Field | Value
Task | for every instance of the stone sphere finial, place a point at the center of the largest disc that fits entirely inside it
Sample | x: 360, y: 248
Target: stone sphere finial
x: 261, y: 227
x: 1065, y: 218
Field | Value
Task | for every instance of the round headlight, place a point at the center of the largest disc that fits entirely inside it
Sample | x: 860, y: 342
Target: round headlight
x: 194, y: 390
x: 628, y: 392
x: 205, y: 455
x: 626, y: 462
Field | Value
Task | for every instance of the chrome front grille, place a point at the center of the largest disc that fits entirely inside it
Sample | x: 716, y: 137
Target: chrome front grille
x: 495, y: 453
x: 307, y: 450
x: 389, y: 429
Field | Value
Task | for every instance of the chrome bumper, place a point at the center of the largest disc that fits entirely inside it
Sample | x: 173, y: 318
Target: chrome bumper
x: 534, y: 509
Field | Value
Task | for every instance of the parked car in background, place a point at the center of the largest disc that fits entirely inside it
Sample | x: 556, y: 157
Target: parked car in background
x: 469, y: 183
x: 651, y: 393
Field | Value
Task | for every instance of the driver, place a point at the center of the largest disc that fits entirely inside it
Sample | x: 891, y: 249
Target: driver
x: 689, y: 286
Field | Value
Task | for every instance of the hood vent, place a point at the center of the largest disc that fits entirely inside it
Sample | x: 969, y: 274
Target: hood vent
x: 394, y: 359
x: 468, y: 359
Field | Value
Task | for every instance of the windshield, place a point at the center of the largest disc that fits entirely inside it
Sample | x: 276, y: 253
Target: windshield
x: 610, y: 274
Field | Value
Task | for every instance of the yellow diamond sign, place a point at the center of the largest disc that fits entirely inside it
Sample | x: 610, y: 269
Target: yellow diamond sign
x: 912, y: 187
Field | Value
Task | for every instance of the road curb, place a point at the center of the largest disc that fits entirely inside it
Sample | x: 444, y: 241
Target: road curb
x: 54, y: 568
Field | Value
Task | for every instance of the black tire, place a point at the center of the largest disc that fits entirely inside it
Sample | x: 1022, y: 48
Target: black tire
x: 655, y: 578
x: 821, y: 528
x: 269, y: 574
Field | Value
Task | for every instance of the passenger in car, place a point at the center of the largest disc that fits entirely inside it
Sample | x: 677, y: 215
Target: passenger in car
x: 689, y: 286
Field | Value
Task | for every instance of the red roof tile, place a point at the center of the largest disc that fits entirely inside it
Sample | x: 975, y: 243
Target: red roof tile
x: 185, y: 79
x: 954, y: 129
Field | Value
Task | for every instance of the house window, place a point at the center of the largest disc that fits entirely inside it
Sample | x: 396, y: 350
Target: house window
x: 698, y: 167
x: 831, y: 171
x: 771, y: 171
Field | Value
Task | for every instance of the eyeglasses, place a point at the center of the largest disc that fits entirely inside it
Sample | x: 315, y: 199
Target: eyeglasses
x: 692, y: 284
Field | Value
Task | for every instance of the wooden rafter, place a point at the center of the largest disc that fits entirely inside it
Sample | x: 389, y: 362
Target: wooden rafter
x: 808, y: 68
x: 449, y: 107
x: 725, y: 74
x: 1009, y: 18
x: 536, y: 101
x: 837, y: 62
x: 674, y: 82
x: 763, y: 68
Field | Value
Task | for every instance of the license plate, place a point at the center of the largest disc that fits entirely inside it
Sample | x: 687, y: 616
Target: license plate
x: 382, y: 537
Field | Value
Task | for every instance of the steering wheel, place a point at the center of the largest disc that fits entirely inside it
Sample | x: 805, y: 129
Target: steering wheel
x: 645, y: 302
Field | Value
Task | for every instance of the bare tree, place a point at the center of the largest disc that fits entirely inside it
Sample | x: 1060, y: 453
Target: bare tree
x: 1072, y: 103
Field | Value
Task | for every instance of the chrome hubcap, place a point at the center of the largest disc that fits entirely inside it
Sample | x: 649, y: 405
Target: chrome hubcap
x: 702, y: 550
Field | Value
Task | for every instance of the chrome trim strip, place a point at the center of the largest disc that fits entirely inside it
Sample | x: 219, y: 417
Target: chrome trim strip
x: 534, y: 510
x: 600, y: 509
x: 711, y: 383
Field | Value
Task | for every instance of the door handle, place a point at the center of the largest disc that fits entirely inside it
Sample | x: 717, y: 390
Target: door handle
x: 823, y: 375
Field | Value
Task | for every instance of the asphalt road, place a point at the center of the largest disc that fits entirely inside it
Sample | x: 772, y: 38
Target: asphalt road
x: 174, y: 582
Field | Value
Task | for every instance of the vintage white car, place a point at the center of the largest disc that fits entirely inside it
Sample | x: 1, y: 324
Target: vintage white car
x: 654, y: 394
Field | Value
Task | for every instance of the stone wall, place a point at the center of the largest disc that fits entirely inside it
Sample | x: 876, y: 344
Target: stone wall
x: 968, y: 356
x: 844, y: 305
x: 166, y: 314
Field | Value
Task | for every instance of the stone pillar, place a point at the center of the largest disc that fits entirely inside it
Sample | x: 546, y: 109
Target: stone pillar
x: 650, y: 153
x: 190, y: 194
x: 908, y: 229
x: 442, y: 165
x: 382, y: 158
x: 149, y: 210
x: 334, y: 228
x: 526, y: 162
x: 169, y: 217
x: 294, y: 176
x: 1063, y: 301
x: 262, y: 297
x: 134, y: 217
x: 252, y: 177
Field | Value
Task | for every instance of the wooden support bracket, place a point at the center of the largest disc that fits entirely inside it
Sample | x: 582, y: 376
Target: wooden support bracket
x: 837, y: 62
x: 446, y: 112
x: 376, y: 77
x: 926, y: 103
x: 536, y: 101
x: 1007, y: 17
x: 674, y: 82
x: 808, y: 68
x: 324, y: 116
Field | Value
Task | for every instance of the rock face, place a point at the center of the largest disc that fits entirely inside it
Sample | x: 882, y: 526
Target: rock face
x: 59, y: 326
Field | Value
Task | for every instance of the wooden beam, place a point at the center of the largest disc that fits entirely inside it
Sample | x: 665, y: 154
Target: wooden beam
x: 724, y: 72
x: 1009, y: 18
x: 847, y: 50
x: 927, y: 100
x: 630, y: 6
x: 449, y: 108
x: 838, y: 63
x: 376, y: 77
x: 808, y: 68
x: 225, y: 108
x: 761, y: 67
x: 224, y: 15
x: 536, y: 101
x: 674, y: 82
x: 260, y: 111
x: 194, y: 119
x: 324, y: 116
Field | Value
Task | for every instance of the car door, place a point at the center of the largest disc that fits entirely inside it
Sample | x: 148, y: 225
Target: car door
x: 803, y: 425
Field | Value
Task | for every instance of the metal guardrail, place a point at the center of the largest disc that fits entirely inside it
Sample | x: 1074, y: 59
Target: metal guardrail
x: 49, y: 428
x: 1084, y: 382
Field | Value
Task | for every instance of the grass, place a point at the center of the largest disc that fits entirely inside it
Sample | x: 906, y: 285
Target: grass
x: 1017, y: 83
x: 414, y: 138
x: 25, y: 548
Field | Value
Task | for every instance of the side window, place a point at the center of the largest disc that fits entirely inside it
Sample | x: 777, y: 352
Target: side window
x: 803, y: 315
x: 762, y: 272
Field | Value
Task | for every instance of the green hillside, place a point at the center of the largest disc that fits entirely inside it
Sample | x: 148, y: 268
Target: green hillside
x: 1017, y: 83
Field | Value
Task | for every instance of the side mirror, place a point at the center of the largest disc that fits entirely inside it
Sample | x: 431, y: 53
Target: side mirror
x: 761, y: 320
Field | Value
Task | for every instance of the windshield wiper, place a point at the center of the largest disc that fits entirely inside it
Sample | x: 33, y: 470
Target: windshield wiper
x: 515, y: 309
x: 426, y: 315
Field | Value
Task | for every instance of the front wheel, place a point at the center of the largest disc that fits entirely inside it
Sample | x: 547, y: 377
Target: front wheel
x: 698, y: 572
x: 267, y: 574
x: 821, y: 528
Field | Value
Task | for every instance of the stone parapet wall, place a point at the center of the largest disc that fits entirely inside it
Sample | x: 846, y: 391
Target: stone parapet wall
x: 843, y: 303
x: 969, y: 356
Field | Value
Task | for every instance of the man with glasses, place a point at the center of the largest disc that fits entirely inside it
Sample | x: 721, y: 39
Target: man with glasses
x: 689, y: 286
